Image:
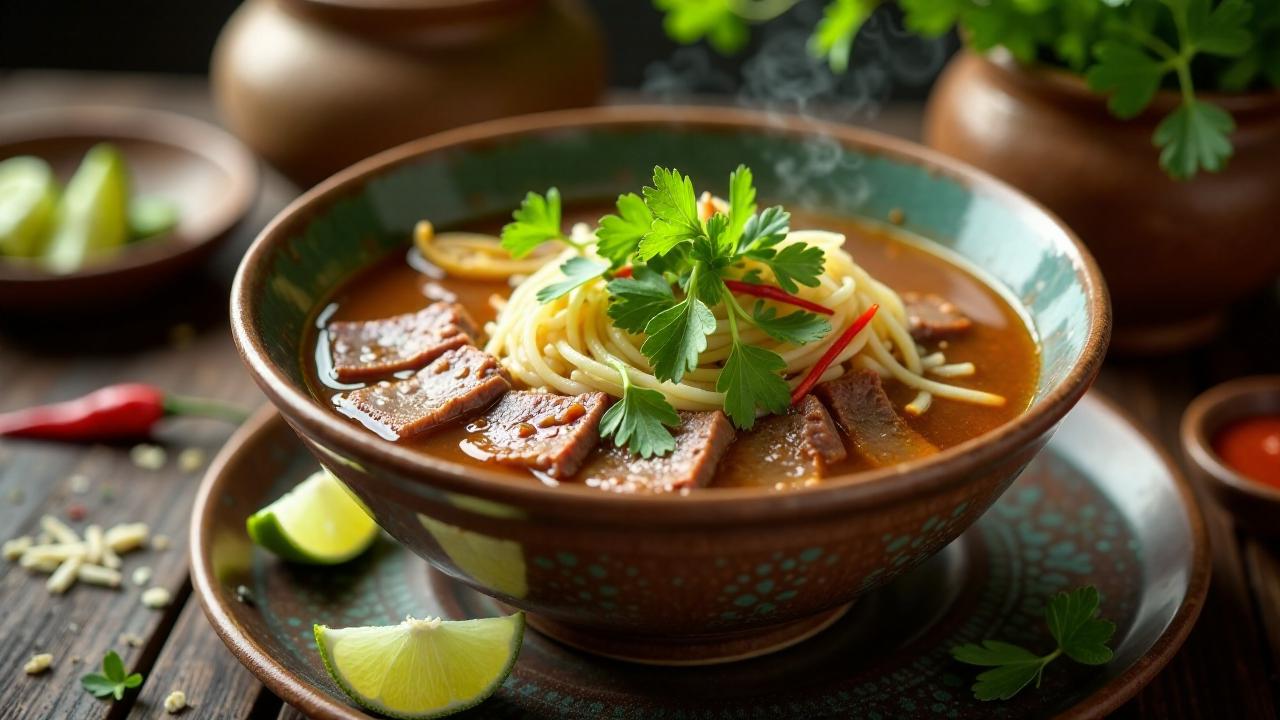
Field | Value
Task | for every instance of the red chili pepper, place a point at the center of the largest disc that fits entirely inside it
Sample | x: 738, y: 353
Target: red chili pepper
x: 115, y: 412
x: 828, y: 357
x: 769, y: 292
x: 623, y: 272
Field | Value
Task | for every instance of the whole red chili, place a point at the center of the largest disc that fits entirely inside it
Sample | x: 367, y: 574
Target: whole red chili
x: 116, y: 412
x: 828, y: 357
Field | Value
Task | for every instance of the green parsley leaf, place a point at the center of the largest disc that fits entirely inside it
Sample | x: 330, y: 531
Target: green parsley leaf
x: 1004, y: 682
x: 688, y: 21
x: 1194, y: 138
x: 833, y: 37
x: 619, y: 235
x: 113, y: 680
x: 98, y: 685
x: 795, y: 263
x: 993, y: 652
x: 639, y: 421
x: 536, y: 222
x: 797, y: 328
x: 638, y: 299
x: 1128, y: 73
x: 1073, y: 622
x: 1221, y: 30
x: 577, y: 271
x: 752, y: 378
x: 765, y: 230
x: 930, y: 18
x: 676, y: 338
x: 675, y: 212
x: 742, y: 203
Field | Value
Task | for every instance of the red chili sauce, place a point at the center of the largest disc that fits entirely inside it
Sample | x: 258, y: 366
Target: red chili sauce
x: 1251, y: 447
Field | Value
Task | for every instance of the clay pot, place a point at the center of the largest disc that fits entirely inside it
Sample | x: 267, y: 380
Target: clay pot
x: 315, y: 85
x: 1174, y: 254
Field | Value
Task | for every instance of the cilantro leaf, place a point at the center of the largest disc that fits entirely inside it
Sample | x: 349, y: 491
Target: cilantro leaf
x: 98, y: 685
x: 1004, y: 682
x: 796, y: 328
x: 675, y: 210
x: 619, y: 235
x: 1220, y: 30
x: 795, y: 263
x: 930, y: 18
x: 993, y: 652
x: 638, y: 299
x: 1194, y: 137
x: 742, y: 203
x: 676, y: 337
x: 752, y: 378
x: 639, y: 421
x: 1128, y: 73
x: 536, y: 222
x: 765, y: 230
x: 1073, y: 623
x: 577, y: 271
x: 833, y: 37
x: 688, y: 21
x: 113, y: 680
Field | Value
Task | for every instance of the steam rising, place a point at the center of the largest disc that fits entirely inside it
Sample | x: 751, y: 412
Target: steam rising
x: 783, y: 79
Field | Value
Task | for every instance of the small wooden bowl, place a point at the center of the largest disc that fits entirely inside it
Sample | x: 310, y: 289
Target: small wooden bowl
x: 210, y: 176
x: 1254, y: 505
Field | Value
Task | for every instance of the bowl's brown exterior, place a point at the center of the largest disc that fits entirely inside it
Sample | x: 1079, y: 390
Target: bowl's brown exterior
x: 1253, y: 505
x: 211, y: 176
x: 723, y: 561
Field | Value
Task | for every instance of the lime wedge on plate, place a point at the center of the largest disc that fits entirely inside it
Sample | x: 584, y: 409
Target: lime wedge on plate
x: 93, y: 215
x: 28, y: 196
x: 422, y: 668
x: 317, y: 522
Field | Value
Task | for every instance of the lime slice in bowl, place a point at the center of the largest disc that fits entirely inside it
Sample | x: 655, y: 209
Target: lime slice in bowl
x: 422, y: 668
x: 28, y: 197
x: 317, y: 522
x: 92, y: 214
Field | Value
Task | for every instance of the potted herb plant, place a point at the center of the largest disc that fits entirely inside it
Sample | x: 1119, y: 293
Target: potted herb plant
x: 1151, y: 126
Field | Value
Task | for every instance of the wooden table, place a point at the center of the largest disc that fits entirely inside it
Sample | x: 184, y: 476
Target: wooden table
x: 1228, y: 668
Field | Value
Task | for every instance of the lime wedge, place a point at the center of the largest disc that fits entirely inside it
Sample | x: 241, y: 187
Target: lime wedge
x: 422, y: 668
x: 93, y: 215
x: 28, y: 196
x: 317, y: 522
x: 150, y: 216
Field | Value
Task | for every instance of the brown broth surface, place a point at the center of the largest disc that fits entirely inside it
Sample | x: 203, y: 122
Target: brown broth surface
x: 999, y: 344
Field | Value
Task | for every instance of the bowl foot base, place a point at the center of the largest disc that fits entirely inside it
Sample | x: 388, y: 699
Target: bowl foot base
x: 701, y: 650
x: 1164, y: 338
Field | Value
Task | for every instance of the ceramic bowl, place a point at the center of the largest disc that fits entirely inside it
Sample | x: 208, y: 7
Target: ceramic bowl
x: 1254, y: 505
x: 718, y: 574
x: 210, y: 176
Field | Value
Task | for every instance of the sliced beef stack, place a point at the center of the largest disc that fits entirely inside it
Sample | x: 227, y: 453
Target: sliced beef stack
x: 874, y: 429
x: 540, y: 431
x: 796, y: 447
x: 363, y: 350
x: 701, y: 440
x: 455, y: 384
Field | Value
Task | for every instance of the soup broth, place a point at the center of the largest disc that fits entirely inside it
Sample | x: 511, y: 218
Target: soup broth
x: 1000, y: 344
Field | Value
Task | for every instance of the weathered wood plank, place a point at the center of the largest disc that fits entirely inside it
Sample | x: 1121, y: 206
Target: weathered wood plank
x: 196, y: 662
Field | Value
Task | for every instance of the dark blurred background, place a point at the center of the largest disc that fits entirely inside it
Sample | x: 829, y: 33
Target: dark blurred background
x: 177, y: 36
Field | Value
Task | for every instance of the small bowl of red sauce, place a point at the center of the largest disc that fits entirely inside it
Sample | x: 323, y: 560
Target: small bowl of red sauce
x: 1231, y: 437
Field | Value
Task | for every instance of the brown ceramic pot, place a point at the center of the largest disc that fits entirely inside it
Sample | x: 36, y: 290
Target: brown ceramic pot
x: 1174, y: 254
x: 315, y: 85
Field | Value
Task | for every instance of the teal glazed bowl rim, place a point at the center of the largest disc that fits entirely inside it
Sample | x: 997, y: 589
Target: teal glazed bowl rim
x: 721, y: 506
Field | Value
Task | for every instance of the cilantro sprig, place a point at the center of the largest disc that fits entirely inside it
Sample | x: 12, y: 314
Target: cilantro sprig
x: 676, y: 265
x: 1073, y: 622
x: 114, y: 680
x: 1126, y: 49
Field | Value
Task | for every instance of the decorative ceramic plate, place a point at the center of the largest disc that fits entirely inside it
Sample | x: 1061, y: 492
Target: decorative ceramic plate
x: 1101, y: 505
